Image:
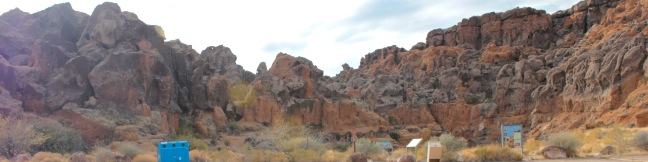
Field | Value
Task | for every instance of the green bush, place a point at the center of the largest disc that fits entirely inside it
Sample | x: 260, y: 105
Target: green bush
x: 364, y: 146
x: 566, y: 141
x: 472, y: 99
x: 641, y: 140
x: 392, y: 120
x: 450, y: 145
x: 60, y: 139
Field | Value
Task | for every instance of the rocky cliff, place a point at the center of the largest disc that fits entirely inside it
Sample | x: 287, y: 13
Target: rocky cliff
x: 109, y: 73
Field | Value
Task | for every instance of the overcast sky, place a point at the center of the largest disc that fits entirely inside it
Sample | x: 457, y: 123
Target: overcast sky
x: 328, y: 32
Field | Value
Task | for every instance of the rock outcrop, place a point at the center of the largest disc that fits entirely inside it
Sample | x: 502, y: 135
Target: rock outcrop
x: 109, y: 72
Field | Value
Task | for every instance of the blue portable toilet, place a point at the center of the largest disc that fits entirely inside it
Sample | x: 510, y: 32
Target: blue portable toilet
x: 173, y: 151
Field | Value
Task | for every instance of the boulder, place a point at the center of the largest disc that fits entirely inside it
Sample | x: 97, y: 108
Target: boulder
x: 554, y: 152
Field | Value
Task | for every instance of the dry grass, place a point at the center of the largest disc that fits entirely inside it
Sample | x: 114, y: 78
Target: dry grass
x: 335, y: 156
x: 496, y: 153
x: 148, y: 157
x: 199, y: 156
x: 48, y: 157
x: 18, y: 136
x: 128, y: 149
x: 532, y: 146
x: 103, y: 155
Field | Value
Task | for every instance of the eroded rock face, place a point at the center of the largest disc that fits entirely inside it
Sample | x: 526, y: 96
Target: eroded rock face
x: 579, y: 68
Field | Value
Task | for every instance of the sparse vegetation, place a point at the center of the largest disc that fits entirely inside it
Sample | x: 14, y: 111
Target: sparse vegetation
x: 566, y: 141
x: 641, y: 140
x: 451, y: 145
x: 18, y: 136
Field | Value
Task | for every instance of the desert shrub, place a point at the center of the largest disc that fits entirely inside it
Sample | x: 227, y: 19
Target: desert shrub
x: 194, y: 142
x: 233, y: 127
x: 342, y: 147
x: 18, y: 136
x: 566, y: 141
x: 472, y: 99
x: 392, y: 120
x: 641, y: 140
x: 531, y: 146
x: 128, y: 149
x: 394, y: 135
x: 199, y: 156
x: 450, y: 145
x: 365, y: 147
x: 48, y: 157
x: 59, y: 139
x: 103, y: 155
x: 496, y: 153
x: 145, y: 158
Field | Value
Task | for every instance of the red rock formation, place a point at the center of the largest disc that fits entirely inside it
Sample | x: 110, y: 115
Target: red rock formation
x: 578, y: 68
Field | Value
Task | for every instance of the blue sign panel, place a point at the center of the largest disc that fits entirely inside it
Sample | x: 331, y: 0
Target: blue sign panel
x: 512, y: 135
x: 173, y: 151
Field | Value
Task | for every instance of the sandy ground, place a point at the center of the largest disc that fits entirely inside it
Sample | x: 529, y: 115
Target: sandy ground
x: 642, y: 158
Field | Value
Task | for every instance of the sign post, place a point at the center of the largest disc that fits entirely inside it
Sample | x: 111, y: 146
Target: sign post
x: 511, y: 136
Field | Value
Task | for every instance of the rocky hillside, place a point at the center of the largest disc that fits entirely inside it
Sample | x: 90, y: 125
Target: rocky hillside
x: 108, y: 74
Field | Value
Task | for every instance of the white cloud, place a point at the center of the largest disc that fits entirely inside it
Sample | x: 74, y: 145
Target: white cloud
x: 328, y: 32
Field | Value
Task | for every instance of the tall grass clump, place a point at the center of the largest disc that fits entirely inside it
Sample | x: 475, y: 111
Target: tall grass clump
x: 18, y: 136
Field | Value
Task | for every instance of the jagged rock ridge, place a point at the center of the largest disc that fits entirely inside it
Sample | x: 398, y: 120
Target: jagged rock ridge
x: 579, y: 68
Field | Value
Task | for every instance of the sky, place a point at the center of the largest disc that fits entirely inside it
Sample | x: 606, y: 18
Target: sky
x: 327, y: 32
